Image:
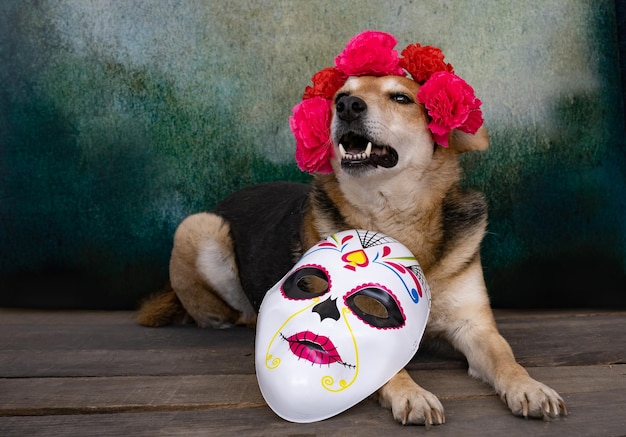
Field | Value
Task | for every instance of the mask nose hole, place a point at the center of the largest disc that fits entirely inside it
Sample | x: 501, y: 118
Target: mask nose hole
x: 327, y: 309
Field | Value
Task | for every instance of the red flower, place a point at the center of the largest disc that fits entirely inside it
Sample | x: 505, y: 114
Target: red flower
x: 451, y: 104
x: 449, y: 100
x: 370, y: 53
x: 325, y: 84
x: 422, y: 61
x: 310, y: 124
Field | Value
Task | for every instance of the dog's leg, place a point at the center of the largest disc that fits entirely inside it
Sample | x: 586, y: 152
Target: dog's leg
x: 204, y: 276
x: 491, y: 359
x: 471, y: 328
x: 410, y: 404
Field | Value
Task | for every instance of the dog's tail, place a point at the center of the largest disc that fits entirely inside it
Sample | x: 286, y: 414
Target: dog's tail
x: 162, y: 308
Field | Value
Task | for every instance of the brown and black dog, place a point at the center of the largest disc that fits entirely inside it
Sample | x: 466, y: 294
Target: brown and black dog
x: 390, y: 177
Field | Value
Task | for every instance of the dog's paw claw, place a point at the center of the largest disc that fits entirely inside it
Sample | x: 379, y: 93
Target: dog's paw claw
x: 416, y: 407
x: 533, y: 399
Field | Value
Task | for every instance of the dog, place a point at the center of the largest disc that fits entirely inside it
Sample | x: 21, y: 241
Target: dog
x: 389, y: 176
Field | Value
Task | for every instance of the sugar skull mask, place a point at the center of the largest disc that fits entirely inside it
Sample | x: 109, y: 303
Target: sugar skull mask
x: 347, y: 317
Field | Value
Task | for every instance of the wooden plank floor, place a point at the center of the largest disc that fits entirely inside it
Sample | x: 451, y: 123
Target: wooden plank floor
x: 99, y: 374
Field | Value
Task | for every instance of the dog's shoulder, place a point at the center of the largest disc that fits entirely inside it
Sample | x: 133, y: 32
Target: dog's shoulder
x: 464, y: 223
x: 463, y: 210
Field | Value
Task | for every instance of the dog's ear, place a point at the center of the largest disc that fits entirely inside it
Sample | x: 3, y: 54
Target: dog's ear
x: 464, y: 142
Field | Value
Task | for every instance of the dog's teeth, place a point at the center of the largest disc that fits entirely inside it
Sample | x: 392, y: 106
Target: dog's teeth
x: 368, y: 150
x: 342, y: 151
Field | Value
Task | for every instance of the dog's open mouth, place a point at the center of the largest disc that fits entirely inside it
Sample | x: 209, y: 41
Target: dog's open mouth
x: 357, y: 151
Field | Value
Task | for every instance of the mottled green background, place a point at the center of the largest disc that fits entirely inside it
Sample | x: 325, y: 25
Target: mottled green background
x: 118, y: 119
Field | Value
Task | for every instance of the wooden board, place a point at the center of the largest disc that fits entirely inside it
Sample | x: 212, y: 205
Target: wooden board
x: 98, y: 373
x: 595, y: 414
x: 42, y: 396
x: 81, y: 343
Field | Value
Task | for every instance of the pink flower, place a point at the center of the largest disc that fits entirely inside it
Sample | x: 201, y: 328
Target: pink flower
x: 310, y: 124
x: 370, y: 53
x: 325, y: 84
x: 449, y: 100
x: 451, y: 104
x: 421, y: 62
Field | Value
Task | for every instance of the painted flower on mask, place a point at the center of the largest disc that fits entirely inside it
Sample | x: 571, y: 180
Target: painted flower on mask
x: 370, y: 53
x: 310, y: 124
x: 451, y: 104
x: 421, y: 62
x: 325, y: 84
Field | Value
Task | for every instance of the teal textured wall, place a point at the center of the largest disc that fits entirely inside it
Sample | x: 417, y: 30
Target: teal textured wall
x: 118, y: 119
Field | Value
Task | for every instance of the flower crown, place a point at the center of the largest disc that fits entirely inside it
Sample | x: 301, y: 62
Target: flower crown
x: 448, y: 99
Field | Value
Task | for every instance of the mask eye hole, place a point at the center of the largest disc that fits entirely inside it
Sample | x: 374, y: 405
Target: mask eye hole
x: 306, y: 283
x: 312, y: 284
x: 376, y: 306
x: 370, y: 306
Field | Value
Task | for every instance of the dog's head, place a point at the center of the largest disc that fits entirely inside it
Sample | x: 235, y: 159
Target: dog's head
x: 378, y: 124
x: 377, y: 112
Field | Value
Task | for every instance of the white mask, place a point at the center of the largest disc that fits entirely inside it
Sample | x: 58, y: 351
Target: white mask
x: 320, y: 348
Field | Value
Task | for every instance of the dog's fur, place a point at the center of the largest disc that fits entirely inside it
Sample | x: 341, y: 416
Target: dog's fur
x: 223, y: 261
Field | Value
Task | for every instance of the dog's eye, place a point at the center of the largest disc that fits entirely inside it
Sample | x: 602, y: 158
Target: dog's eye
x: 403, y: 99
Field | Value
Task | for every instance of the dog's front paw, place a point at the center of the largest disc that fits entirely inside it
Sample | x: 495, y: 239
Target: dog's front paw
x: 529, y: 398
x: 410, y: 404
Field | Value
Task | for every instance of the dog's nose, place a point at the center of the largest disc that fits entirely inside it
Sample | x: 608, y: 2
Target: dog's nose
x: 350, y: 108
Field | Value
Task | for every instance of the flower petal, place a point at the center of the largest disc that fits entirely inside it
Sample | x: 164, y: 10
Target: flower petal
x: 370, y: 53
x: 310, y: 125
x: 451, y: 104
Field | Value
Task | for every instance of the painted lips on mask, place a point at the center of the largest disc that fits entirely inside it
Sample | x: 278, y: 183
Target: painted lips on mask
x: 315, y: 348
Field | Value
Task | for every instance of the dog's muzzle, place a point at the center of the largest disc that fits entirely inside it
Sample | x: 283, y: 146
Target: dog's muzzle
x: 356, y: 148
